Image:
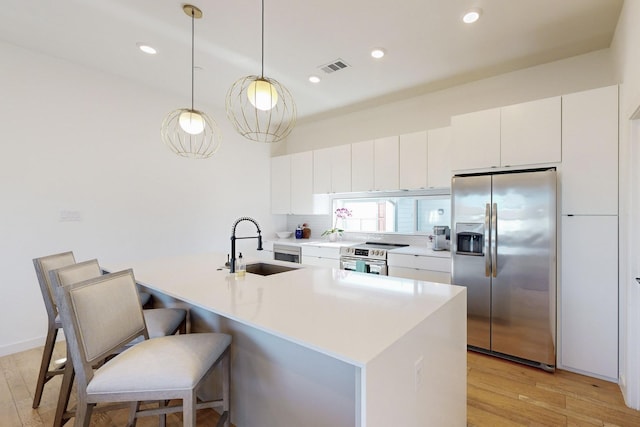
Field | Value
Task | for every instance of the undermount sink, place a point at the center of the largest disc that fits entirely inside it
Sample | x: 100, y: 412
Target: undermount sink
x: 265, y: 269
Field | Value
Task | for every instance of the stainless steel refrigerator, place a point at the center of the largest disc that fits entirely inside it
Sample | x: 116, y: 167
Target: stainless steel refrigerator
x: 504, y: 252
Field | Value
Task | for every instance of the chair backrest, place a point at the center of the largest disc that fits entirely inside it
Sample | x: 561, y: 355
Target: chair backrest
x: 99, y: 316
x: 43, y: 265
x: 75, y: 273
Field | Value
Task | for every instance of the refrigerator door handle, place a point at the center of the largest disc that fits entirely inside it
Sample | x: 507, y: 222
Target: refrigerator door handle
x: 487, y: 241
x: 494, y: 240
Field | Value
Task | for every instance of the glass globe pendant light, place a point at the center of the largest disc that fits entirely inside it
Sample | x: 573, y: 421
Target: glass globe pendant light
x: 187, y: 131
x: 260, y: 108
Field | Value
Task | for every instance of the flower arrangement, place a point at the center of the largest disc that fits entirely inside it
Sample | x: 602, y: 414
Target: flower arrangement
x: 341, y: 213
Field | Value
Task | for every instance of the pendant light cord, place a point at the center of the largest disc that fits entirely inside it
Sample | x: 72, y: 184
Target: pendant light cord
x: 262, y: 63
x: 193, y: 12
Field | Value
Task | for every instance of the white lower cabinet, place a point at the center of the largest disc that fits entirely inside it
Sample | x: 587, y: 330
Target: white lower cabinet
x: 321, y: 256
x: 589, y: 296
x: 419, y: 267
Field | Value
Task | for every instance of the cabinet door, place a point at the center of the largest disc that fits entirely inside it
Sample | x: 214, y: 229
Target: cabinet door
x: 476, y: 140
x: 439, y: 158
x: 413, y: 160
x: 302, y: 183
x: 281, y: 185
x: 322, y: 170
x: 341, y: 168
x: 590, y: 152
x: 530, y: 133
x: 589, y: 295
x: 362, y: 166
x: 386, y: 163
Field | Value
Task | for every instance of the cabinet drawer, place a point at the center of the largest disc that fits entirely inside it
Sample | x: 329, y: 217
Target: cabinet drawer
x: 320, y: 252
x: 417, y: 274
x: 420, y: 262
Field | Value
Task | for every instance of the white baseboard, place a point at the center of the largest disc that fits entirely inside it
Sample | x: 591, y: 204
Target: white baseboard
x: 6, y: 350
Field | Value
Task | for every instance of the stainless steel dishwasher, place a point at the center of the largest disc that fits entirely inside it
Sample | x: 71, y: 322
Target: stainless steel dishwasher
x: 284, y: 252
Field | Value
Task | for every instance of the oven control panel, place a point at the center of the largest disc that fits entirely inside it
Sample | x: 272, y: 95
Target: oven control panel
x: 364, y: 252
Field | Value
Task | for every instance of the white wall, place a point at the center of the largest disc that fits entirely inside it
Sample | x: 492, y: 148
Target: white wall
x: 76, y: 139
x: 435, y: 109
x: 625, y: 49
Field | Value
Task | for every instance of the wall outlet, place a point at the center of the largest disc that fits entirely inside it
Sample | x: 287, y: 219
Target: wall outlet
x: 418, y: 370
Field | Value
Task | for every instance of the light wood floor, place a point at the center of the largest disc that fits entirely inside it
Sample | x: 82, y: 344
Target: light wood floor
x: 499, y: 393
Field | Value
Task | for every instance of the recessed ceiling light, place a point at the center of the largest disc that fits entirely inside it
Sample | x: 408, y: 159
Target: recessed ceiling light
x: 314, y: 79
x: 377, y: 53
x: 472, y: 15
x: 146, y: 48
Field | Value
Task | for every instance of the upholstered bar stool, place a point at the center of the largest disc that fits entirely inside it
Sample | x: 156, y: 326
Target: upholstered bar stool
x: 159, y: 322
x: 156, y: 369
x: 43, y: 265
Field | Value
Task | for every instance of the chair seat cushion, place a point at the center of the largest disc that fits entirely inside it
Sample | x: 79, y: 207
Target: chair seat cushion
x: 175, y: 362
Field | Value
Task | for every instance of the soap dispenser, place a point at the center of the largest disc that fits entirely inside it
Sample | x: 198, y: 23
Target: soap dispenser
x: 241, y: 267
x: 299, y: 232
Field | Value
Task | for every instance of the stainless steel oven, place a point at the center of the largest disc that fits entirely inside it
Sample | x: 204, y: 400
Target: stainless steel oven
x: 367, y: 266
x: 290, y: 253
x: 369, y: 257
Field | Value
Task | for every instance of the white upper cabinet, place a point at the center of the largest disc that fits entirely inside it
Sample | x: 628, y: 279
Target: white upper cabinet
x: 530, y: 133
x: 516, y: 135
x: 439, y: 158
x: 476, y: 140
x: 281, y: 185
x: 332, y: 169
x: 425, y: 159
x: 292, y: 186
x: 413, y: 160
x: 386, y: 163
x: 374, y: 164
x: 302, y: 182
x: 322, y: 170
x: 362, y: 166
x: 590, y: 152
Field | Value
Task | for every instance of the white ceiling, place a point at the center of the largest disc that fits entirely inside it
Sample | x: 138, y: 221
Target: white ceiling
x: 428, y: 47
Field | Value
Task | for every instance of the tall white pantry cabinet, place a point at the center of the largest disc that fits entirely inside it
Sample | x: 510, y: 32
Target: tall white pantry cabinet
x: 588, y: 290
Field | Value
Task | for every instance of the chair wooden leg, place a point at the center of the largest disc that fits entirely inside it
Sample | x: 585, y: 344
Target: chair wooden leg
x: 43, y: 377
x: 83, y: 413
x: 162, y: 417
x: 65, y: 393
x: 131, y: 422
x: 226, y: 392
x: 189, y: 410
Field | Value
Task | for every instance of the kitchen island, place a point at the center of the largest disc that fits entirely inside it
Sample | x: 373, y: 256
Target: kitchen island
x: 325, y: 347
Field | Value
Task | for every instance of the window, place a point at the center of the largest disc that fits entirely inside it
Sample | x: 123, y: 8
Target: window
x: 400, y: 214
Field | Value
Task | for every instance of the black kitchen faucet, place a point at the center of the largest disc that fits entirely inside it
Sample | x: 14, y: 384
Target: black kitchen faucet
x: 232, y: 263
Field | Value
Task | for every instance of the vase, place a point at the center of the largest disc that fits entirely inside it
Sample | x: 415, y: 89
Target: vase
x: 333, y: 237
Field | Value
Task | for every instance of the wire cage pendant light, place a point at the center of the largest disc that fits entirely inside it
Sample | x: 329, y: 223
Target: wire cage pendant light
x: 186, y: 131
x: 261, y: 108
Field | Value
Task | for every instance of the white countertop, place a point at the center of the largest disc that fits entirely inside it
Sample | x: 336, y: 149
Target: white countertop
x: 315, y: 242
x: 347, y: 315
x: 409, y: 250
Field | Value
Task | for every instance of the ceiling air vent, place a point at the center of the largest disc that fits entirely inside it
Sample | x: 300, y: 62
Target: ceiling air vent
x: 334, y: 66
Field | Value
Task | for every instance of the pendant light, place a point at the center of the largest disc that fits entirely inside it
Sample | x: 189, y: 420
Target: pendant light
x: 260, y: 108
x: 187, y: 131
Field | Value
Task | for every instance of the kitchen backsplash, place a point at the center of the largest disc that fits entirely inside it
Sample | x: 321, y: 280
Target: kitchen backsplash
x: 319, y: 223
